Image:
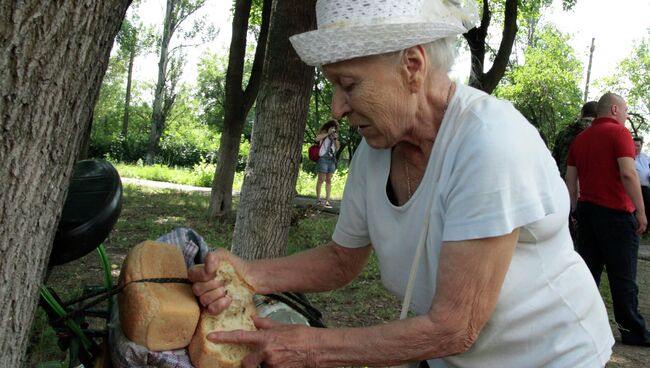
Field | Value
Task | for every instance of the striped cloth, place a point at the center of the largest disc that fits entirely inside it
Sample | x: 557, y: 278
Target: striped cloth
x: 127, y: 354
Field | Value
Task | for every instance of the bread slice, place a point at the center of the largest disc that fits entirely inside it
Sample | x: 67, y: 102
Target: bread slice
x: 157, y: 316
x: 238, y: 316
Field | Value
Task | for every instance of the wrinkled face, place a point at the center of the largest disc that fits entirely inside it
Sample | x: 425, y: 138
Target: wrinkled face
x: 637, y: 147
x: 373, y: 94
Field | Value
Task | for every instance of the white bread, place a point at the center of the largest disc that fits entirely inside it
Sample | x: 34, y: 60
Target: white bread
x: 159, y: 316
x: 238, y: 316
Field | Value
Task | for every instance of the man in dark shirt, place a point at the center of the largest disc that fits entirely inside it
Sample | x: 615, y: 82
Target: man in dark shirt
x: 570, y: 132
x: 610, y: 210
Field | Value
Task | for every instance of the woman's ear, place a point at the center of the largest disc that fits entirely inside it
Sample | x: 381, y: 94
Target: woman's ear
x: 414, y: 65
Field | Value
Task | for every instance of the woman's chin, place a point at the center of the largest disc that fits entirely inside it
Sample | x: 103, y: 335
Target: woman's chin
x: 377, y: 142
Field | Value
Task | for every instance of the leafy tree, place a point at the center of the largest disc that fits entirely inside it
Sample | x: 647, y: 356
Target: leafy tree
x: 238, y: 102
x: 133, y: 39
x: 53, y: 55
x: 211, y: 91
x: 477, y: 38
x: 545, y: 89
x: 632, y: 81
x: 170, y: 64
x: 107, y: 137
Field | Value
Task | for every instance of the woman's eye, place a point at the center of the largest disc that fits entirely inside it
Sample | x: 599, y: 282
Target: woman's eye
x: 347, y: 87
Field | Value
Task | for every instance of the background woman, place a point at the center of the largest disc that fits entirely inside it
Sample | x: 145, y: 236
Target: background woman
x: 327, y: 137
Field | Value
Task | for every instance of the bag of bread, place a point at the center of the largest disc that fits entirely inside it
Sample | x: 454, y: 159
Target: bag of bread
x: 158, y: 316
x: 238, y: 316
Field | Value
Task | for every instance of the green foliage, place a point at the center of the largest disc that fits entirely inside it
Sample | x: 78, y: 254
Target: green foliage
x: 545, y: 89
x: 211, y: 92
x: 632, y: 81
x: 186, y: 140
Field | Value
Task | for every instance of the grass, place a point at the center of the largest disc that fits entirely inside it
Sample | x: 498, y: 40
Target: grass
x: 149, y: 213
x: 201, y: 175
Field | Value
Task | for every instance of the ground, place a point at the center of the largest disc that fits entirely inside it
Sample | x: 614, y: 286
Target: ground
x: 347, y: 308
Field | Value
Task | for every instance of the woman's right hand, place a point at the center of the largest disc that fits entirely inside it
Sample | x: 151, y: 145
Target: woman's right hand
x: 211, y: 292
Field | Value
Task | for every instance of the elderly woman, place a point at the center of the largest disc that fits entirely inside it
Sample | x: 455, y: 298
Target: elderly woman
x: 449, y: 177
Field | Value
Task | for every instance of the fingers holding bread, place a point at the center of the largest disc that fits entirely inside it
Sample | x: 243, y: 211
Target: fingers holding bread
x: 210, y: 288
x: 237, y: 315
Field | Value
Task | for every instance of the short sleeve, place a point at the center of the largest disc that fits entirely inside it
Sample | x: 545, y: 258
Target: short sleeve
x: 624, y: 144
x: 502, y: 178
x: 351, y: 229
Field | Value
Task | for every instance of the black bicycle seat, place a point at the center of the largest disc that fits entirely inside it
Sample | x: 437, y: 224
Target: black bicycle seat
x: 90, y: 211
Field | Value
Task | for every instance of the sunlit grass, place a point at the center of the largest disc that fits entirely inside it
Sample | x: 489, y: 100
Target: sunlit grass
x: 201, y: 176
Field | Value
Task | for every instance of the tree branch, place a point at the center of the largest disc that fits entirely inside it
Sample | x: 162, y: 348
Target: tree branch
x: 256, y: 73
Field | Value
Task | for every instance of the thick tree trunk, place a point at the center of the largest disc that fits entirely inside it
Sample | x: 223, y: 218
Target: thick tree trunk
x: 237, y: 104
x: 266, y: 201
x: 157, y: 116
x: 127, y: 98
x: 53, y: 56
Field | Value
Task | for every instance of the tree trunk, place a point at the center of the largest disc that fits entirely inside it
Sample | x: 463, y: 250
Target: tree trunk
x: 127, y: 98
x: 157, y: 116
x: 237, y: 104
x: 266, y: 201
x: 85, y: 140
x: 476, y: 38
x: 224, y: 176
x: 53, y: 56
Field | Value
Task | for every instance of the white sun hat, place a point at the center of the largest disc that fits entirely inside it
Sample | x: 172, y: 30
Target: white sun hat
x: 353, y: 28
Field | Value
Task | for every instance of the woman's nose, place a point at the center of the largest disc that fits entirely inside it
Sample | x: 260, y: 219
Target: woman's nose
x: 340, y: 105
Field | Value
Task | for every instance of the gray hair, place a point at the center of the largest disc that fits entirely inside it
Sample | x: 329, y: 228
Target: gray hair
x: 441, y: 53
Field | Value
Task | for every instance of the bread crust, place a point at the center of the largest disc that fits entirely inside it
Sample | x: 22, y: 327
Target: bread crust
x: 157, y: 316
x: 238, y: 316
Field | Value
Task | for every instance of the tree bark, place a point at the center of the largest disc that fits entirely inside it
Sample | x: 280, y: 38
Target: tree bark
x: 127, y: 98
x: 53, y: 56
x: 266, y: 201
x: 157, y: 116
x: 237, y: 104
x: 476, y: 38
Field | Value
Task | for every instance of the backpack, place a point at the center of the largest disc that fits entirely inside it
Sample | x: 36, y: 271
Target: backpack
x: 314, y: 152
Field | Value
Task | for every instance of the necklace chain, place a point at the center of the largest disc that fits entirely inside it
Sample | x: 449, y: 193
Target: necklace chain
x: 406, y: 164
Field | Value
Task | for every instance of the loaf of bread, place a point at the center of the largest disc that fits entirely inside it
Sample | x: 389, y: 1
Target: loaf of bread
x: 238, y: 316
x: 159, y: 316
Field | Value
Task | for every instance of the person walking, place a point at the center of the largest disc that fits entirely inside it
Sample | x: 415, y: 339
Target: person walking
x: 610, y: 210
x: 570, y: 132
x: 563, y: 143
x: 327, y: 138
x: 643, y: 169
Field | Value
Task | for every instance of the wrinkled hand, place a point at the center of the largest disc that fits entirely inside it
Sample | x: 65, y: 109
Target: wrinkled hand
x: 211, y: 292
x: 274, y: 344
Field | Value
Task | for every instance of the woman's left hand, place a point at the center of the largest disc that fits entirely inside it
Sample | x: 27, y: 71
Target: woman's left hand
x: 274, y: 344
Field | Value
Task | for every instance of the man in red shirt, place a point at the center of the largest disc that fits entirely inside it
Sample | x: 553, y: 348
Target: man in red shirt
x: 610, y: 210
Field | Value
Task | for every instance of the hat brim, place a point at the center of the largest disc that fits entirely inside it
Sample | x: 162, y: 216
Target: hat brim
x: 328, y: 46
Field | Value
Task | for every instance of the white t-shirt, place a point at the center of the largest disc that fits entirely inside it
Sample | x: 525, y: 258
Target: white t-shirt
x: 643, y: 168
x: 489, y: 173
x: 326, y: 148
